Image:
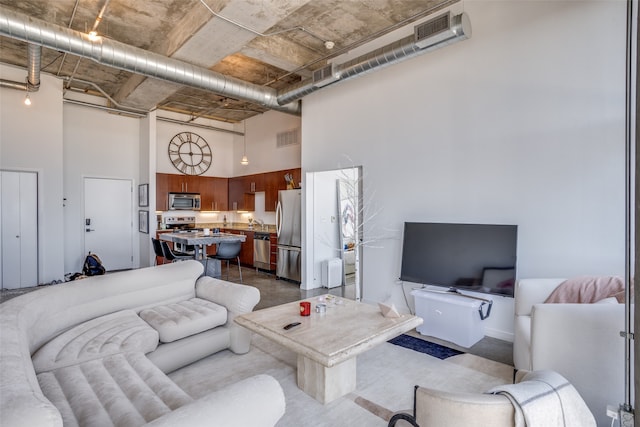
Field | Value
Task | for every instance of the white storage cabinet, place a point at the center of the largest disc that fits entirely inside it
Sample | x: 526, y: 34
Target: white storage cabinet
x: 448, y: 316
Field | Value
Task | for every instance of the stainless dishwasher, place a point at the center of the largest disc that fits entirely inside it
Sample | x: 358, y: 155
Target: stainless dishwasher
x: 261, y: 250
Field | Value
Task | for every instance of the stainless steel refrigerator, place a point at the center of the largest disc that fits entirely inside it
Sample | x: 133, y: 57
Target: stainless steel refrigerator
x: 289, y: 226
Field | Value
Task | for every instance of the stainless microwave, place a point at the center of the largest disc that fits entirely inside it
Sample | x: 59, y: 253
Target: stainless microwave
x: 184, y: 201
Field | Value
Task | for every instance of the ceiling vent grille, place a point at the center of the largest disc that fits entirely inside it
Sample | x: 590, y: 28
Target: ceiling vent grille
x: 324, y: 76
x: 442, y: 30
x: 288, y: 138
x: 432, y: 27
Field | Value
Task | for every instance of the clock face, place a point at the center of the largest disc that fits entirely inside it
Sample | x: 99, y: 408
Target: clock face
x: 190, y: 153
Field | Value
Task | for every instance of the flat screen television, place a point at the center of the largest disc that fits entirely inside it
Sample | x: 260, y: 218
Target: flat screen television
x: 473, y: 257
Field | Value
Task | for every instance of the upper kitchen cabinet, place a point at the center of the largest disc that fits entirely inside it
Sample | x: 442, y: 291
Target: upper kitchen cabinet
x: 224, y: 194
x: 274, y: 182
x: 171, y: 183
x: 184, y: 183
x: 214, y: 193
x: 240, y: 196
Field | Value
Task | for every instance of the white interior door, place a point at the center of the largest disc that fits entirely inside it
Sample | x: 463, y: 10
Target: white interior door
x: 108, y: 227
x: 19, y: 226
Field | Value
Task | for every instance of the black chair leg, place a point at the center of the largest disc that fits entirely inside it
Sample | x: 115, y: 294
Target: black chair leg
x: 411, y: 419
x: 408, y: 418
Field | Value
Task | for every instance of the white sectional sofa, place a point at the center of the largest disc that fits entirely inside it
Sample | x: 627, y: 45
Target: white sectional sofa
x: 95, y: 352
x: 582, y: 342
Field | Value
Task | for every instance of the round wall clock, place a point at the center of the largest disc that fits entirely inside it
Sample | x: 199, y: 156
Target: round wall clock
x: 190, y: 153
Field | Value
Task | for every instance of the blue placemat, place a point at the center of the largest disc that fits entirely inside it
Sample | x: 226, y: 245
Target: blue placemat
x: 430, y: 348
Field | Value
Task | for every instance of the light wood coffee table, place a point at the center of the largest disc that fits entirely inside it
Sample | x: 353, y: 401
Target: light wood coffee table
x: 327, y: 344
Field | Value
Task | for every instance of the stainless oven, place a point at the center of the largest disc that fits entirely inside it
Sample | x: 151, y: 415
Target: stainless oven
x: 184, y: 201
x: 181, y: 224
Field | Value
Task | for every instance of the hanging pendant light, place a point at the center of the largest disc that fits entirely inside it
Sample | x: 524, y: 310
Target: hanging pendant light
x: 27, y: 100
x: 245, y: 160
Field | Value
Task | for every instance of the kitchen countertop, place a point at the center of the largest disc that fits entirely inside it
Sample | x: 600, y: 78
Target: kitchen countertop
x: 238, y: 227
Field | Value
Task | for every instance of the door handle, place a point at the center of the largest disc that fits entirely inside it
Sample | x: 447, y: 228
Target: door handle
x: 89, y: 229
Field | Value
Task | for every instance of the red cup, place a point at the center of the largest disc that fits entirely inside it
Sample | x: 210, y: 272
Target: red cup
x: 305, y: 308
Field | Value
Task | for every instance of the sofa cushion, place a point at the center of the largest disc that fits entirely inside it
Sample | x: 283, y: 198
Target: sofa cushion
x: 123, y: 389
x: 104, y: 335
x: 184, y: 318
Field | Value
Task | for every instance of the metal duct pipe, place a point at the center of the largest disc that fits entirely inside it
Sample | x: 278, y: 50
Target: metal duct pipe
x: 104, y: 108
x: 392, y: 53
x: 33, y: 67
x: 13, y: 85
x: 129, y: 58
x: 33, y: 72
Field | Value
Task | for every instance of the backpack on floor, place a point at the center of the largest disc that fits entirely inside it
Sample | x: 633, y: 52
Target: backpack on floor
x: 93, y: 266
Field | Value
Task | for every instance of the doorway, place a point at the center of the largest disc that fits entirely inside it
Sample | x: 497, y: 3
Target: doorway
x: 19, y: 229
x: 108, y: 221
x: 334, y: 227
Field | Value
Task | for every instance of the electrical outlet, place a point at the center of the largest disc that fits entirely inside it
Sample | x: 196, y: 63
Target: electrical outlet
x: 612, y: 412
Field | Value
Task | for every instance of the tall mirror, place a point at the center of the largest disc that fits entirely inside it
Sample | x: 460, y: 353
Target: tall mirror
x: 347, y: 191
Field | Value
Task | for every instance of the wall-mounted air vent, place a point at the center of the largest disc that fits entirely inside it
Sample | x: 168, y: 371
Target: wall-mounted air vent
x: 325, y: 75
x: 441, y: 29
x: 288, y: 138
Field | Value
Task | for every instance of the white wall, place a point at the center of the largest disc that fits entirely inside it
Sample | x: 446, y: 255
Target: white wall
x: 147, y: 150
x: 31, y: 140
x: 521, y: 124
x: 262, y: 151
x: 97, y: 144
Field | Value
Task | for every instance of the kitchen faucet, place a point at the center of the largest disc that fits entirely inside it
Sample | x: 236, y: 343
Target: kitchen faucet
x: 259, y: 221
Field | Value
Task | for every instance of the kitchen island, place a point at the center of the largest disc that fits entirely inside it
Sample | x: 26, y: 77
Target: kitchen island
x: 199, y: 240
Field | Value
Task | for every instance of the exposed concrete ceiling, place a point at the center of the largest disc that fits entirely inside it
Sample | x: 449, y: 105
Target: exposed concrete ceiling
x: 272, y: 43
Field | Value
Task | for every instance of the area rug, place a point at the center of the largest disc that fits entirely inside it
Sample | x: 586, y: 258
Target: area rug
x: 426, y: 347
x: 386, y: 375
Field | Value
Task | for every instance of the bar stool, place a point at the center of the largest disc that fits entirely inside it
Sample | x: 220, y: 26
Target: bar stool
x: 171, y: 256
x: 157, y: 249
x: 227, y: 251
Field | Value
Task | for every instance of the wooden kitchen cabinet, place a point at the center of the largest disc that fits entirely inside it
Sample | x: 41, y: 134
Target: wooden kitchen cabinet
x: 274, y: 182
x: 184, y: 183
x: 214, y: 193
x: 240, y: 196
x: 171, y: 183
x: 246, y: 253
x: 224, y: 194
x: 162, y: 191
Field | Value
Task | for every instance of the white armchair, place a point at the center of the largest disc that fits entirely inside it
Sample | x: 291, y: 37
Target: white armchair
x: 542, y: 398
x: 582, y: 342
